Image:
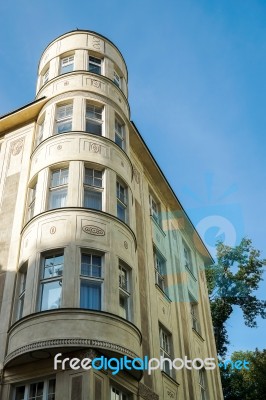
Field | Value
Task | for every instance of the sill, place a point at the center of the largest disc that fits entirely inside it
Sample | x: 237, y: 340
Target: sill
x: 191, y: 274
x: 158, y: 225
x: 198, y: 334
x: 163, y: 292
x: 173, y: 380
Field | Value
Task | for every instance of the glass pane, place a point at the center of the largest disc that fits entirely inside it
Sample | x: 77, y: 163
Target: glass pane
x: 93, y: 127
x: 93, y: 177
x: 94, y: 112
x: 62, y: 127
x: 51, y: 295
x: 90, y: 295
x: 121, y: 212
x: 91, y: 265
x: 96, y: 69
x: 20, y: 393
x: 57, y: 198
x: 51, y: 389
x: 67, y: 68
x: 53, y: 266
x: 119, y: 141
x: 92, y: 199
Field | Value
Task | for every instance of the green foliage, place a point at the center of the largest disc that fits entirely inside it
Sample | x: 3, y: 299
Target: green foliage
x: 232, y: 281
x: 245, y: 384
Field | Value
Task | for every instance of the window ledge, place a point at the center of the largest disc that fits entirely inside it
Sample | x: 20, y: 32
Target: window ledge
x: 198, y: 334
x: 163, y: 293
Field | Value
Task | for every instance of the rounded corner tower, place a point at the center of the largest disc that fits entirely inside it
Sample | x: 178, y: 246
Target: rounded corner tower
x: 87, y: 262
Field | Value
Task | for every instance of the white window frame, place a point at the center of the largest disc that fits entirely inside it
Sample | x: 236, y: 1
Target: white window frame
x: 56, y: 275
x: 63, y: 116
x: 122, y: 200
x: 99, y: 64
x: 160, y: 269
x: 31, y: 202
x: 194, y: 312
x: 62, y: 186
x: 65, y: 62
x: 117, y: 80
x: 154, y: 209
x: 165, y: 348
x: 120, y: 133
x: 124, y: 291
x: 96, y: 119
x: 22, y: 278
x: 203, y: 384
x: 39, y: 133
x: 28, y: 385
x: 188, y: 257
x: 92, y: 279
x: 93, y: 186
x: 118, y: 394
x: 45, y: 76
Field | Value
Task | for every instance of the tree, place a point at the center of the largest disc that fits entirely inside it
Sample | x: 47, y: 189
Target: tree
x: 245, y: 384
x: 232, y: 281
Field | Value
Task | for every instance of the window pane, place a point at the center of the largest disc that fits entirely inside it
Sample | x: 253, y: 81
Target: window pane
x: 59, y: 177
x: 51, y: 295
x: 53, y: 266
x: 91, y: 265
x: 93, y: 177
x: 62, y: 127
x: 58, y: 198
x: 90, y: 295
x: 94, y: 127
x: 20, y: 393
x: 119, y: 141
x: 93, y: 199
x: 121, y: 211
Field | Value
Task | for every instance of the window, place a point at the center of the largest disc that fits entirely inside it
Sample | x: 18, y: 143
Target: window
x: 58, y: 188
x: 124, y: 291
x: 95, y: 65
x: 194, y: 311
x: 187, y: 257
x: 31, y: 202
x: 45, y: 76
x: 121, y: 195
x: 117, y: 79
x: 39, y: 135
x: 22, y: 286
x: 91, y: 281
x: 117, y: 394
x: 165, y: 348
x: 93, y: 189
x: 63, y: 120
x: 120, y: 134
x: 154, y: 209
x: 203, y: 385
x: 66, y: 64
x: 51, y: 281
x: 94, y: 119
x: 160, y: 269
x: 42, y: 390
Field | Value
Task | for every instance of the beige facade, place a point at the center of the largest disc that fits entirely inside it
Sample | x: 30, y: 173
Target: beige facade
x: 97, y: 256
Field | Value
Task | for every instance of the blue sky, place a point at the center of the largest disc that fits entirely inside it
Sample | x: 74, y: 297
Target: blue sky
x: 197, y: 90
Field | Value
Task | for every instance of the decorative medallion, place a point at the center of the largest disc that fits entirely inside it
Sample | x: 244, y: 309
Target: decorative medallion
x: 170, y: 394
x: 66, y: 83
x: 59, y: 147
x: 96, y: 83
x: 52, y: 230
x: 96, y: 148
x: 17, y: 146
x: 96, y: 43
x: 126, y: 244
x: 93, y: 230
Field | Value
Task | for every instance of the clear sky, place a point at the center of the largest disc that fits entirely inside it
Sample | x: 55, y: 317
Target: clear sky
x: 197, y: 90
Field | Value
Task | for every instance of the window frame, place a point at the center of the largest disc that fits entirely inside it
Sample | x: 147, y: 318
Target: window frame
x: 188, y: 260
x: 96, y: 109
x: 100, y: 66
x: 45, y: 76
x: 71, y: 61
x: 57, y: 188
x: 121, y: 395
x: 119, y: 202
x: 66, y: 119
x: 203, y: 384
x: 22, y: 281
x: 92, y: 280
x: 93, y: 187
x: 117, y: 79
x: 27, y: 386
x: 31, y: 201
x: 50, y: 279
x: 124, y: 290
x: 166, y: 352
x: 159, y: 277
x: 154, y: 206
x: 194, y: 314
x: 120, y: 136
